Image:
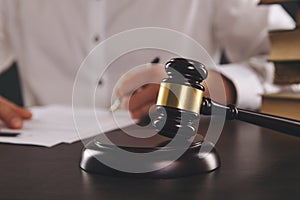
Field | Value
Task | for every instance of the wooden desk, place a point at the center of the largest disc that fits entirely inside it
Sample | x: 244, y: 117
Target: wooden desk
x: 256, y: 164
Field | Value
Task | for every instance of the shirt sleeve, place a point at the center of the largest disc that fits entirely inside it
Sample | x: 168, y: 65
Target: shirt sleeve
x: 6, y: 53
x: 242, y: 27
x: 247, y: 85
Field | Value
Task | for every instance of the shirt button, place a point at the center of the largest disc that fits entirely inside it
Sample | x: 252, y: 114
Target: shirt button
x: 100, y: 82
x: 96, y: 38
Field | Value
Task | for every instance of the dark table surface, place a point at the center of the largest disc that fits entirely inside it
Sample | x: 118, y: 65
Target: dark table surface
x: 256, y: 164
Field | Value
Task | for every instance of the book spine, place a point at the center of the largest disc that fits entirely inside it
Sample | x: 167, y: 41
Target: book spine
x: 277, y: 1
x: 285, y: 45
x: 287, y: 72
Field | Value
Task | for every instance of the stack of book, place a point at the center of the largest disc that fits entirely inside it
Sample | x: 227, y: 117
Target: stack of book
x: 285, y: 54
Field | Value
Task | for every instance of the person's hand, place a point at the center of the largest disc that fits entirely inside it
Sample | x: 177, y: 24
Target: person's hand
x: 224, y: 93
x: 139, y: 88
x: 12, y: 114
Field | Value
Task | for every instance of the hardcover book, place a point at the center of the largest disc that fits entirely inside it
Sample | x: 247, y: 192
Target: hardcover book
x: 282, y: 104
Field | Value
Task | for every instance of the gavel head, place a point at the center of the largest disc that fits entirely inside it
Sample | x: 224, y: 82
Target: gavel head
x: 180, y: 98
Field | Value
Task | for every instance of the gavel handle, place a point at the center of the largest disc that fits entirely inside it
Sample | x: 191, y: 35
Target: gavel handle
x: 284, y: 125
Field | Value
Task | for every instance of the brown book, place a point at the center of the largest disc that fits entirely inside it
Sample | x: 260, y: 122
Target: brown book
x: 276, y: 1
x: 282, y: 104
x: 285, y: 45
x: 287, y: 72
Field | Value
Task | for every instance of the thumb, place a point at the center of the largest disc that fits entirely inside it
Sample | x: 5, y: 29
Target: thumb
x: 138, y: 77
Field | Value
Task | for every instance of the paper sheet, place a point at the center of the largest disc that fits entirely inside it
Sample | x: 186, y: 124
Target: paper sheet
x: 52, y: 125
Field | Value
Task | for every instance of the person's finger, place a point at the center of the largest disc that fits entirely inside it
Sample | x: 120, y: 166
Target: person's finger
x: 143, y: 97
x: 140, y: 97
x: 136, y: 78
x: 12, y: 114
x: 142, y: 111
x: 24, y: 113
x: 10, y: 117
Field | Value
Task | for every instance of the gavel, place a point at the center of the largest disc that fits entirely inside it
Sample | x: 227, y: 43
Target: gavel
x: 180, y: 102
x: 179, y: 105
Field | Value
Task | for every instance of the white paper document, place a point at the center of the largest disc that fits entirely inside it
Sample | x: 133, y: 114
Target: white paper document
x: 52, y: 125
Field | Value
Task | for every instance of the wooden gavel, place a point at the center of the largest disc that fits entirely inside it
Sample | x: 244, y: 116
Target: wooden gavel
x: 180, y: 102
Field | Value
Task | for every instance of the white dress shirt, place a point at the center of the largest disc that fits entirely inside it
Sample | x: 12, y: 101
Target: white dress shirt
x: 49, y: 39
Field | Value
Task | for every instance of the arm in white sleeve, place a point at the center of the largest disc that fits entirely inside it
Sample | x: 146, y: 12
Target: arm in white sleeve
x: 247, y: 84
x: 242, y: 28
x: 6, y: 53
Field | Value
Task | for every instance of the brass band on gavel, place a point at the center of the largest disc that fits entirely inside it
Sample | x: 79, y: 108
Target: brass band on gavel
x: 180, y: 96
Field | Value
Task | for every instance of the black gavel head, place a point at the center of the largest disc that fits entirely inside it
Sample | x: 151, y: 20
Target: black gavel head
x: 180, y: 98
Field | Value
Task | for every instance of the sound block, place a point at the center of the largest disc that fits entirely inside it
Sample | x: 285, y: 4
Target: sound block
x: 193, y: 161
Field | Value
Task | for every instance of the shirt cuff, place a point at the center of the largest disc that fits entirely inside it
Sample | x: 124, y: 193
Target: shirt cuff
x: 247, y: 85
